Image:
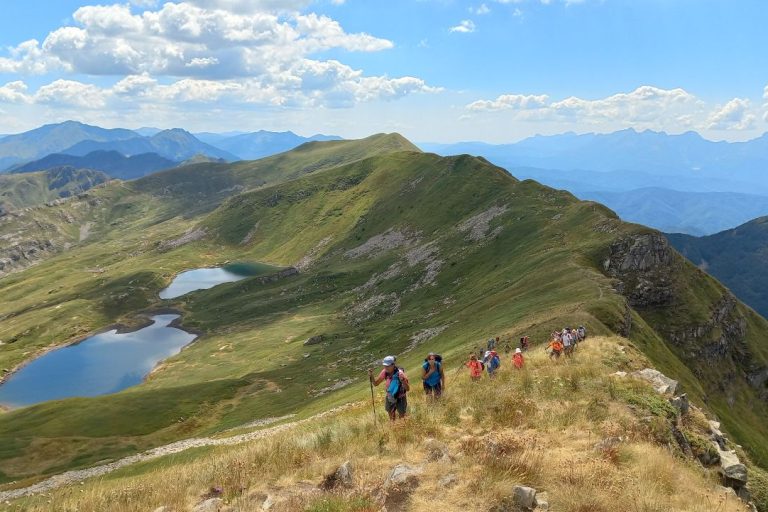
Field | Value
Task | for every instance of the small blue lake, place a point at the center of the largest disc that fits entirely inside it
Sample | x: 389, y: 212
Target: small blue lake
x: 99, y: 365
x: 199, y: 279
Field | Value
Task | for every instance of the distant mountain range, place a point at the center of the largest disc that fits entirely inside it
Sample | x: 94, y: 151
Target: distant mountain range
x: 252, y: 146
x: 53, y: 138
x: 737, y: 257
x: 175, y: 144
x: 703, y: 165
x: 672, y: 211
x: 113, y: 163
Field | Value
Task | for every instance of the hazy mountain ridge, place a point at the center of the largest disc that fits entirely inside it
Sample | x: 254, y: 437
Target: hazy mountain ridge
x: 252, y: 146
x: 737, y: 257
x: 113, y: 163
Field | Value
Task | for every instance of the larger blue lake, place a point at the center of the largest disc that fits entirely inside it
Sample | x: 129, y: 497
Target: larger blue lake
x: 199, y: 279
x: 102, y: 364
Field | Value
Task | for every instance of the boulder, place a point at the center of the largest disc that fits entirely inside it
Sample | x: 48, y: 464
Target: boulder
x: 660, y: 382
x: 398, y: 487
x: 341, y: 477
x: 733, y: 471
x: 716, y: 435
x: 542, y: 501
x: 209, y: 505
x: 314, y: 340
x: 524, y: 497
x: 402, y: 474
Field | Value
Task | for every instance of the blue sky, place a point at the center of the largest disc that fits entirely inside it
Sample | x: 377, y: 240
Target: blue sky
x: 435, y: 70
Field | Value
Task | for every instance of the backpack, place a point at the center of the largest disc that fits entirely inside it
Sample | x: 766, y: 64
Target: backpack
x: 438, y: 358
x: 395, y: 388
x: 494, y: 363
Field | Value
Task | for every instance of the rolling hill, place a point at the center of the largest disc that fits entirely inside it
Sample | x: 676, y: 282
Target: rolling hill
x: 32, y: 189
x: 398, y: 251
x: 737, y: 257
x: 112, y: 163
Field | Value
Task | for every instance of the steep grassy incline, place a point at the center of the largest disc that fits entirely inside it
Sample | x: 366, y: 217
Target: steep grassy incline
x: 738, y: 257
x: 398, y: 253
x: 33, y: 189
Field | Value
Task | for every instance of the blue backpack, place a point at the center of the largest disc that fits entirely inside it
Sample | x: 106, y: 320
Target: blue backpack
x: 494, y: 363
x: 394, y: 388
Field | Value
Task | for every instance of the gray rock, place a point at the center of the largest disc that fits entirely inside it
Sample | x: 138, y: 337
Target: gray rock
x: 402, y: 474
x: 542, y: 501
x: 733, y: 471
x: 660, y: 382
x: 341, y: 477
x: 681, y: 404
x: 209, y: 505
x: 524, y: 497
x: 269, y: 502
x: 314, y: 340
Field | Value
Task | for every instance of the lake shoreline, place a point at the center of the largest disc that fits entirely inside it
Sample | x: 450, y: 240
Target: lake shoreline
x: 144, y: 320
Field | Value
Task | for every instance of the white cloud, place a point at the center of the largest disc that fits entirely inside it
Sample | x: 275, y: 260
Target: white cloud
x: 734, y: 115
x: 14, y: 92
x: 464, y: 27
x: 480, y: 10
x: 645, y: 107
x: 71, y: 93
x: 510, y: 101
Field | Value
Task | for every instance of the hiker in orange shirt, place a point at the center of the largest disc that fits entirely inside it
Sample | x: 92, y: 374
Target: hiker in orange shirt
x: 556, y: 347
x: 517, y: 359
x: 475, y: 367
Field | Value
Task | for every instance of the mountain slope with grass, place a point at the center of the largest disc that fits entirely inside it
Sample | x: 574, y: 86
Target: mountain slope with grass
x: 33, y: 189
x: 398, y: 251
x: 738, y: 257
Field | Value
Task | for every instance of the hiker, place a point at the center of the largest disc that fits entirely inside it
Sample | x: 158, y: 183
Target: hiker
x: 491, y: 344
x: 397, y: 387
x: 582, y: 333
x: 524, y: 342
x: 492, y: 362
x: 475, y: 367
x: 433, y: 376
x: 567, y: 344
x: 517, y: 359
x: 556, y: 348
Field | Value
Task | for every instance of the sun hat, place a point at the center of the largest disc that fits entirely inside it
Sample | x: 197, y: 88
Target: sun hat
x: 388, y: 361
x: 518, y: 351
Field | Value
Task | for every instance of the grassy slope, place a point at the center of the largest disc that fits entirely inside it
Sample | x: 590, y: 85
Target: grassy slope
x: 531, y: 269
x: 536, y: 427
x: 32, y: 189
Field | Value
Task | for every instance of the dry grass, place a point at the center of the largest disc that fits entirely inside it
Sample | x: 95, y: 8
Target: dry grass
x: 537, y: 427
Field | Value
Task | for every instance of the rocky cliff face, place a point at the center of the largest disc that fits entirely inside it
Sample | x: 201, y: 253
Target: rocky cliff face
x: 649, y: 273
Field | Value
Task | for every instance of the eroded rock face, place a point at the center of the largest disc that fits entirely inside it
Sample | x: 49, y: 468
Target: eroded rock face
x: 643, y: 264
x: 660, y: 382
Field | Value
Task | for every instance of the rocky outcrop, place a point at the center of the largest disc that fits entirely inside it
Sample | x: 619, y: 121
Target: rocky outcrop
x: 660, y: 382
x: 643, y: 265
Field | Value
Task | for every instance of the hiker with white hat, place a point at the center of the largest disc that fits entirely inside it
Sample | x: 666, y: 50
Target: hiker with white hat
x: 397, y: 384
x: 517, y: 359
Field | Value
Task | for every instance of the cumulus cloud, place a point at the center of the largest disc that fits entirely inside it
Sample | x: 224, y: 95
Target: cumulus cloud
x: 646, y: 106
x: 464, y: 27
x: 14, y: 92
x: 71, y: 94
x: 734, y: 115
x: 256, y: 51
x: 481, y: 9
x: 510, y: 101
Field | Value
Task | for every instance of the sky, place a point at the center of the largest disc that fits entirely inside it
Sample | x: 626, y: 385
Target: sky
x: 434, y: 70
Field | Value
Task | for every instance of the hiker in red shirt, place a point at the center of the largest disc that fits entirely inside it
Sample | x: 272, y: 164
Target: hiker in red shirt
x: 475, y: 367
x: 517, y: 359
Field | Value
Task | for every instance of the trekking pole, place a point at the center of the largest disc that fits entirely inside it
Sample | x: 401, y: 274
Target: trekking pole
x: 373, y: 401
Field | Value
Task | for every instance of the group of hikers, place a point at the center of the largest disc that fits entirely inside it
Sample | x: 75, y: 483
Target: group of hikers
x: 488, y: 360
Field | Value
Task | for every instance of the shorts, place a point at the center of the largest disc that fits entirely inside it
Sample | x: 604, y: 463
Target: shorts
x: 400, y: 404
x: 435, y: 390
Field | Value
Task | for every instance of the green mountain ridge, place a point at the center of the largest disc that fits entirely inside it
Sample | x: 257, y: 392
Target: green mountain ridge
x: 738, y: 257
x: 398, y: 251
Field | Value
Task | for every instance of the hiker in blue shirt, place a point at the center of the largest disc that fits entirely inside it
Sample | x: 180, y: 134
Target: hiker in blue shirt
x: 433, y: 376
x: 396, y: 402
